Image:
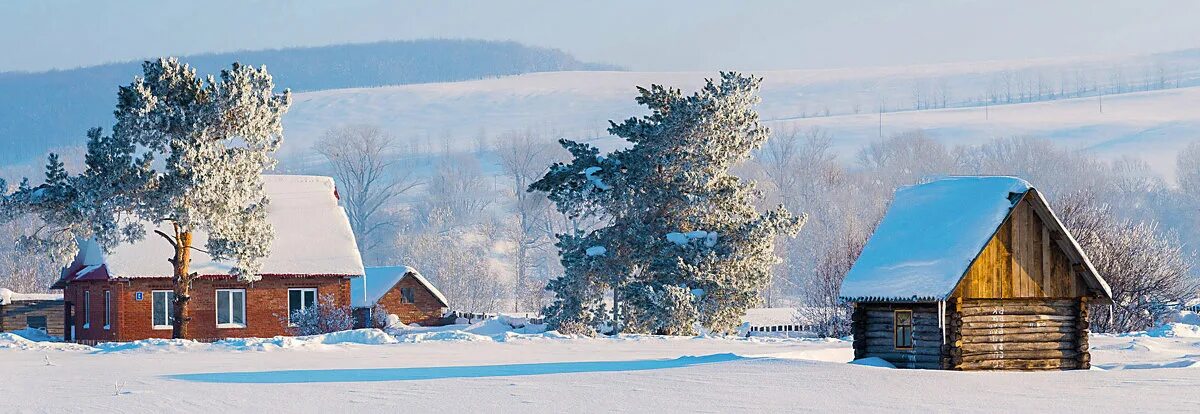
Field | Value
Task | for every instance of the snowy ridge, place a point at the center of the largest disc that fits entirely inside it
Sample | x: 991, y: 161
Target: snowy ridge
x: 312, y: 237
x: 929, y: 236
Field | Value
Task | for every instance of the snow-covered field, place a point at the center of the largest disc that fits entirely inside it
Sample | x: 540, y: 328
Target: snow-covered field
x: 487, y: 367
x: 1152, y: 125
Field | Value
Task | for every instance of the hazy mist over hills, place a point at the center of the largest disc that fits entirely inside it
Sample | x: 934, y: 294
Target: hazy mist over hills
x: 50, y: 109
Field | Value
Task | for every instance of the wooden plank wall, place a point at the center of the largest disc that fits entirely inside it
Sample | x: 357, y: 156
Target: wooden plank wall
x: 12, y: 316
x: 1023, y: 260
x: 1018, y: 334
x: 872, y: 325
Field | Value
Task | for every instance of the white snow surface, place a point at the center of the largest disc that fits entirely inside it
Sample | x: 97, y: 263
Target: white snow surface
x: 929, y: 236
x: 8, y: 296
x: 596, y: 251
x: 379, y: 280
x: 770, y: 316
x: 312, y: 237
x: 710, y: 238
x: 873, y: 362
x: 493, y: 367
x: 590, y: 172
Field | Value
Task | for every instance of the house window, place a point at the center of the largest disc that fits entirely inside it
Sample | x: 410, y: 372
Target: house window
x: 107, y: 308
x: 36, y: 322
x: 87, y: 307
x: 300, y: 300
x: 904, y: 329
x: 231, y: 308
x: 162, y: 309
x: 406, y: 295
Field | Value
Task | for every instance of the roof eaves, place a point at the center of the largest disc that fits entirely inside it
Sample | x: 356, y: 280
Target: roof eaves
x: 893, y: 299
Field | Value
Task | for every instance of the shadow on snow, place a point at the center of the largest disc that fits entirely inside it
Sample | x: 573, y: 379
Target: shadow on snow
x: 428, y: 373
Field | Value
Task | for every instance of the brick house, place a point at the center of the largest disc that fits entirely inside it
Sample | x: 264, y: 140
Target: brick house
x: 400, y: 291
x: 31, y: 310
x: 126, y: 294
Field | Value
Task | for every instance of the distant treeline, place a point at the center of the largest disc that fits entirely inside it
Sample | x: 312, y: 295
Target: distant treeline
x: 44, y: 110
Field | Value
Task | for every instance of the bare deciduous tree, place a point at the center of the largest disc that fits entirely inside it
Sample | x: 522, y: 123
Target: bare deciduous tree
x: 1146, y: 268
x: 459, y: 188
x: 365, y: 165
x: 1187, y: 169
x: 523, y: 159
x: 822, y: 308
x: 456, y: 259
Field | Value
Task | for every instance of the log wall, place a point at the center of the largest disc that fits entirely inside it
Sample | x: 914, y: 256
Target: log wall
x: 1018, y: 334
x: 873, y: 326
x: 15, y: 315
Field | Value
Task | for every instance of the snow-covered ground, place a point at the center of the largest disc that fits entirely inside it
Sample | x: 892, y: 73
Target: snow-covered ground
x: 487, y: 367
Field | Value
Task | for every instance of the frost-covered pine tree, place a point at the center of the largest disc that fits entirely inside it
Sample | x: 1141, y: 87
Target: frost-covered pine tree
x: 683, y: 246
x: 217, y: 136
x: 98, y: 204
x: 214, y: 137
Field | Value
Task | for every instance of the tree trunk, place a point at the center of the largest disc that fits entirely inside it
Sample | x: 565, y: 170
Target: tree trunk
x: 616, y: 313
x: 182, y: 282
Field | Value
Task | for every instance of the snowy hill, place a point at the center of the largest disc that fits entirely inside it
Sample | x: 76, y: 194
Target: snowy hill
x: 1147, y: 106
x: 39, y: 111
x: 1146, y: 101
x: 1151, y: 125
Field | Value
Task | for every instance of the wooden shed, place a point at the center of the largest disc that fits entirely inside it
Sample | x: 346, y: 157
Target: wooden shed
x: 973, y: 273
x: 31, y: 310
x: 400, y: 291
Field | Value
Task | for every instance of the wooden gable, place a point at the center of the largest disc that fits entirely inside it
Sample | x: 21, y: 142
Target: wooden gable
x: 1024, y: 259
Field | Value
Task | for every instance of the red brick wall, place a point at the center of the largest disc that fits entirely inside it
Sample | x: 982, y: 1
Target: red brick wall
x: 74, y: 294
x: 425, y: 310
x: 266, y: 306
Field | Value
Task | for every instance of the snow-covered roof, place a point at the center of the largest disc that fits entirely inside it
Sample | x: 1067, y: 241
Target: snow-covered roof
x: 929, y: 236
x: 379, y: 280
x: 8, y: 296
x: 312, y: 237
x: 932, y: 232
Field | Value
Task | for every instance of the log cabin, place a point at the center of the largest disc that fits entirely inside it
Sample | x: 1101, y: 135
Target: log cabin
x: 973, y: 273
x: 42, y: 311
x: 400, y: 291
x: 126, y: 294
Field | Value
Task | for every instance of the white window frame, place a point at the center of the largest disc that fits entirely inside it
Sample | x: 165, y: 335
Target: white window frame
x: 302, y: 306
x: 167, y: 310
x: 107, y: 309
x: 87, y: 309
x: 216, y: 312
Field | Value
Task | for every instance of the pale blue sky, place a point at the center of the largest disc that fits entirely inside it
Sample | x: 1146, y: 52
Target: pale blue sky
x: 642, y: 35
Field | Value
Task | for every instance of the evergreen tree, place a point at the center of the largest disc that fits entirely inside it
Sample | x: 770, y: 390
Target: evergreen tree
x: 215, y: 136
x: 683, y: 246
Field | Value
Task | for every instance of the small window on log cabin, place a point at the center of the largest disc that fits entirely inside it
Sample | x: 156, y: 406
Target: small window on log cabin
x: 904, y: 329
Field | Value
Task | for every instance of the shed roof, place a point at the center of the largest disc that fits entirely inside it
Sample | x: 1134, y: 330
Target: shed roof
x: 312, y: 237
x: 8, y: 296
x: 932, y: 233
x: 379, y: 280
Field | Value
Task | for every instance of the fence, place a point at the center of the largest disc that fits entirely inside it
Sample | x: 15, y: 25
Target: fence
x: 451, y: 316
x: 782, y: 328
